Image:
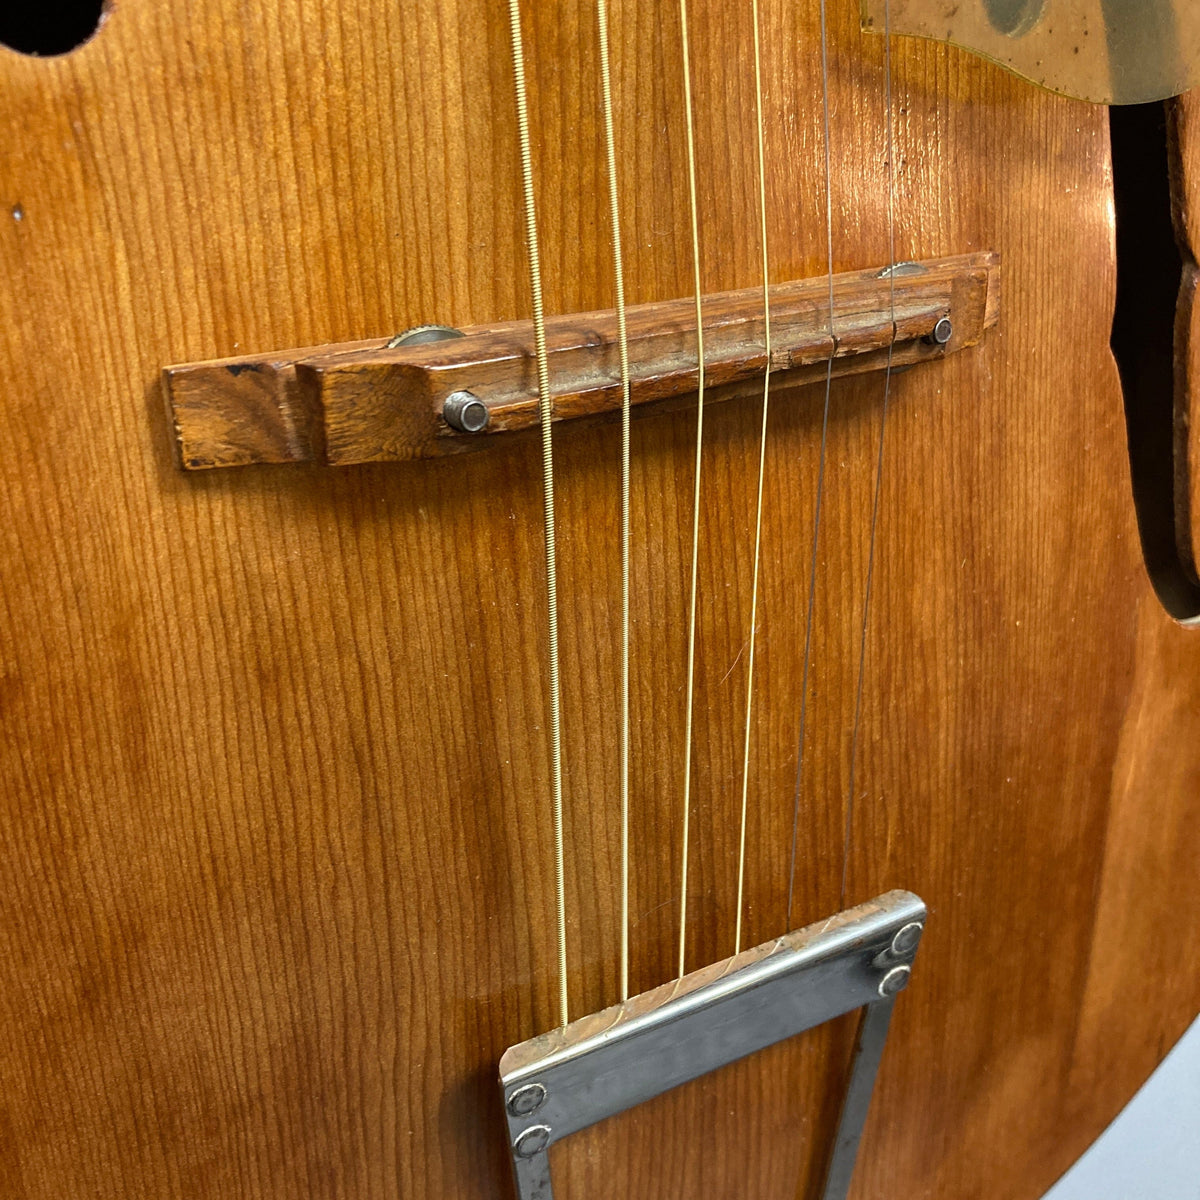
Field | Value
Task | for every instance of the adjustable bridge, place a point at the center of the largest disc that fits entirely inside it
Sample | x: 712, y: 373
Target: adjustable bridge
x: 437, y: 391
x: 561, y: 1082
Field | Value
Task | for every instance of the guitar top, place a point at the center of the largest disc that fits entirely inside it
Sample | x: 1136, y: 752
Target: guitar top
x: 287, y: 859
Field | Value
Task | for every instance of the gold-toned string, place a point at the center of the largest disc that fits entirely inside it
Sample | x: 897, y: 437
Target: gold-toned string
x: 762, y: 461
x: 691, y: 657
x: 887, y: 387
x: 546, y: 412
x: 623, y: 353
x: 812, y: 574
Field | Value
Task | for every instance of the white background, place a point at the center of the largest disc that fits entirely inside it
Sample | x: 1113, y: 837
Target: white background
x: 1152, y: 1150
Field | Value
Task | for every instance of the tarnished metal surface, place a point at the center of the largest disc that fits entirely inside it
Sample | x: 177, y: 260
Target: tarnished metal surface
x: 561, y: 1082
x: 1108, y: 51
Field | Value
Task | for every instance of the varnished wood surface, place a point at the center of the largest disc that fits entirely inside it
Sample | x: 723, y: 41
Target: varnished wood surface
x: 246, y: 410
x: 275, y: 840
x: 371, y: 402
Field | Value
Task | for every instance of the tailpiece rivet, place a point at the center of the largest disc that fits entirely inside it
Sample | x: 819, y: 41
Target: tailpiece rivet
x: 525, y: 1101
x: 907, y: 937
x: 894, y: 981
x: 532, y: 1141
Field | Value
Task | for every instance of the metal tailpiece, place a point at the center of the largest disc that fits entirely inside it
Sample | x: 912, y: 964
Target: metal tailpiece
x: 561, y: 1082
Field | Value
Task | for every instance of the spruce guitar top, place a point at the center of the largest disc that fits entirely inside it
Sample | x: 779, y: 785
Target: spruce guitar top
x: 691, y: 689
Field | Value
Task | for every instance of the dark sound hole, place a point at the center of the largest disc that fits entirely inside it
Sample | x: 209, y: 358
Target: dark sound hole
x: 1014, y: 16
x: 45, y: 27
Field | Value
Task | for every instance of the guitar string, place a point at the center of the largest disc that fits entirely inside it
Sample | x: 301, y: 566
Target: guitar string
x: 691, y: 655
x: 762, y: 460
x: 812, y: 578
x: 545, y: 412
x: 623, y: 353
x: 887, y: 387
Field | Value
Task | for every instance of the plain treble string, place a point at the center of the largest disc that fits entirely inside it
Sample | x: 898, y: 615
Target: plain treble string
x: 762, y: 461
x: 691, y: 656
x: 812, y: 576
x: 545, y: 412
x: 623, y: 353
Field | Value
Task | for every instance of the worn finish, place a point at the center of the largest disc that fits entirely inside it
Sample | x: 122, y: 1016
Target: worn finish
x: 372, y: 402
x: 274, y: 845
x: 1106, y: 51
x: 238, y: 411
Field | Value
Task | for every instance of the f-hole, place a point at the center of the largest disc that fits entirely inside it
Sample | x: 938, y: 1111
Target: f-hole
x: 48, y: 27
x: 1149, y: 270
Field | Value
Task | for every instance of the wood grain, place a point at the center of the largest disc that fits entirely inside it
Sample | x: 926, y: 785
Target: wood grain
x: 274, y: 840
x: 234, y: 412
x: 371, y: 402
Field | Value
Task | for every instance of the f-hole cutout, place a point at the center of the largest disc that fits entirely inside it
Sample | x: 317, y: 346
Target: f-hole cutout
x: 48, y: 27
x: 1149, y: 271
